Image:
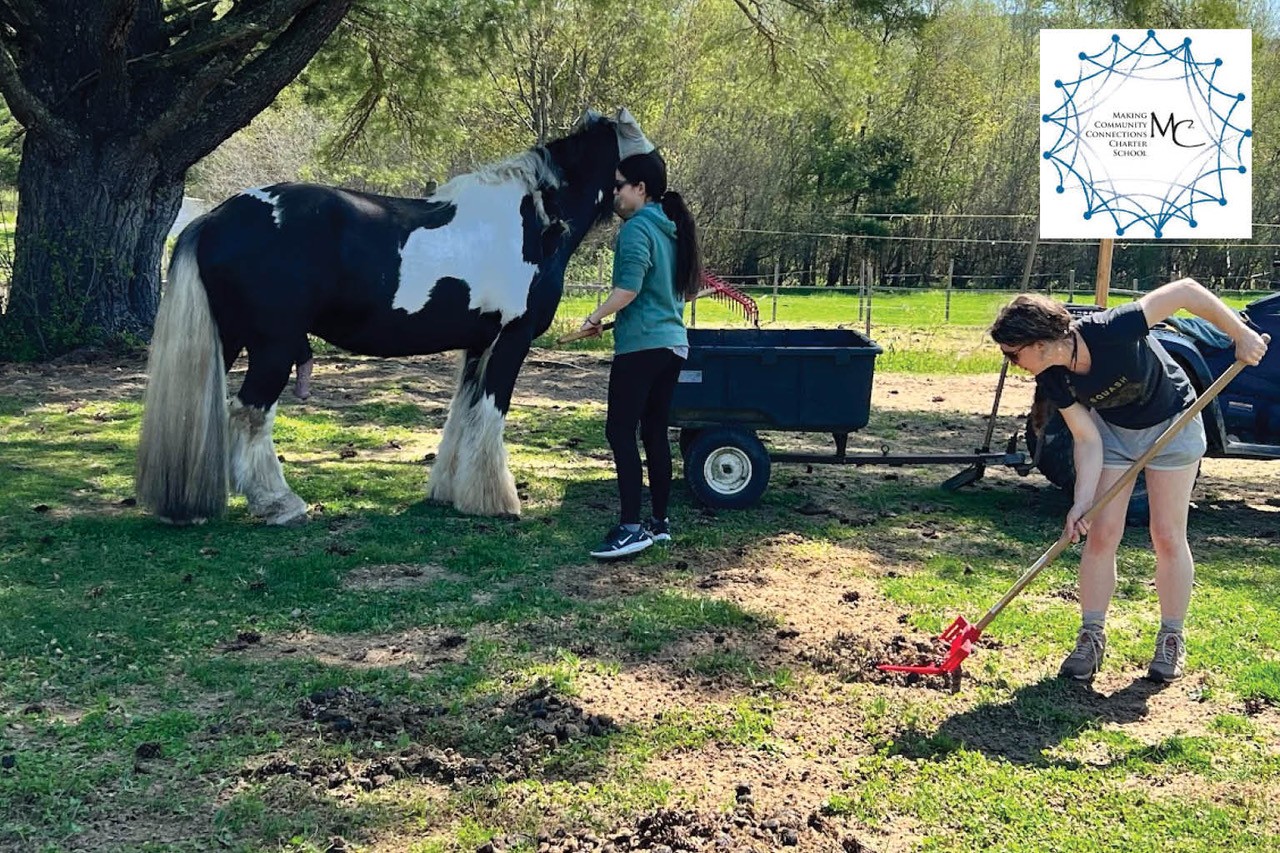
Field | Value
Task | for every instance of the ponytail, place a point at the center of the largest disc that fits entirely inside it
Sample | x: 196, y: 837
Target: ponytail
x: 651, y: 169
x: 688, y: 279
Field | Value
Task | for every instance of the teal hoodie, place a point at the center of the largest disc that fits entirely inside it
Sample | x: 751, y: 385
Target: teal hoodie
x: 644, y: 262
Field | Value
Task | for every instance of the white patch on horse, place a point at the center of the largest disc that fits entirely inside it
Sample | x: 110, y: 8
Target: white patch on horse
x: 599, y: 196
x: 260, y: 193
x: 483, y: 246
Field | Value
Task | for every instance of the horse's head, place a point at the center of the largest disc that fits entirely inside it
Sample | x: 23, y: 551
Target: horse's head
x: 588, y: 156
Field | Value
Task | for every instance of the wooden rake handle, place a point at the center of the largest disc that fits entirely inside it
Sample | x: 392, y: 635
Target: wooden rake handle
x: 1129, y: 476
x: 583, y: 334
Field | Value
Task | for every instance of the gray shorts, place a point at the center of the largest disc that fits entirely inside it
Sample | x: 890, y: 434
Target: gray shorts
x: 1121, y: 447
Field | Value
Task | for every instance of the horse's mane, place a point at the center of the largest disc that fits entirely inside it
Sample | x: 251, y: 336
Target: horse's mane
x: 533, y: 169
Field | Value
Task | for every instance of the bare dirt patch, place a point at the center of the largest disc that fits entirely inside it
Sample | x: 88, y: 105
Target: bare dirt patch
x: 394, y: 576
x: 417, y: 651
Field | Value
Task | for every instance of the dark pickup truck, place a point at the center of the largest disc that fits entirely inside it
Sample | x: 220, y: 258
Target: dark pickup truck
x: 1242, y: 423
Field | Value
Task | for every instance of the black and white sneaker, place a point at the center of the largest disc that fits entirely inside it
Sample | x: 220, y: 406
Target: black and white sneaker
x: 659, y: 529
x: 622, y: 542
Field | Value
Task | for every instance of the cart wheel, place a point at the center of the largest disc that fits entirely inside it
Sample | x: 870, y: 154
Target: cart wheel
x: 687, y: 435
x: 727, y: 468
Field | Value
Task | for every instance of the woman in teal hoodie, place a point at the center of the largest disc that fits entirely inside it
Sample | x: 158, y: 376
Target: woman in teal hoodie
x: 656, y: 268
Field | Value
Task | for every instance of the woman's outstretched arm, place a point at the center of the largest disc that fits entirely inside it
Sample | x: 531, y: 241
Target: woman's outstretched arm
x: 1189, y: 294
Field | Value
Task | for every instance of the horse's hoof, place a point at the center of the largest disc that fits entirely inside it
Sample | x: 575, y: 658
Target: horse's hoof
x: 500, y: 510
x: 297, y: 520
x: 182, y: 522
x: 284, y: 511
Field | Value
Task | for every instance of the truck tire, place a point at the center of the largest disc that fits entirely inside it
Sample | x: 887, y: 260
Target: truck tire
x: 1056, y: 461
x: 726, y: 468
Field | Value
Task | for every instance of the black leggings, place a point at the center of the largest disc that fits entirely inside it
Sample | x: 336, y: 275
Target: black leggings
x: 641, y: 385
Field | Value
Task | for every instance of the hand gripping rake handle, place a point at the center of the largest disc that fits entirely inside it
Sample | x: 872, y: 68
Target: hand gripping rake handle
x: 961, y: 634
x: 580, y: 334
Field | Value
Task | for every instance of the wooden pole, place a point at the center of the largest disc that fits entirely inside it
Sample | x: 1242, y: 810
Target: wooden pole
x: 951, y: 268
x: 1103, y: 279
x: 1071, y: 285
x: 1031, y: 256
x: 777, y: 274
x: 870, y: 274
x: 600, y: 269
x: 862, y: 286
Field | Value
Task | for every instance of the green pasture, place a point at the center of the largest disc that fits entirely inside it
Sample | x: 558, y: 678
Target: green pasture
x: 921, y: 331
x: 158, y: 685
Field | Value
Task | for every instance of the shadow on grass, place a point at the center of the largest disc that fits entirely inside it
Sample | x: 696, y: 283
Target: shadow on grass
x: 1037, y: 718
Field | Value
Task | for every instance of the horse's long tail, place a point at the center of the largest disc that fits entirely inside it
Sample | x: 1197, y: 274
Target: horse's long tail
x: 182, y: 454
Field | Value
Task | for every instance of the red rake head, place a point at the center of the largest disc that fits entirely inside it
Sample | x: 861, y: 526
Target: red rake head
x: 728, y: 293
x: 959, y: 638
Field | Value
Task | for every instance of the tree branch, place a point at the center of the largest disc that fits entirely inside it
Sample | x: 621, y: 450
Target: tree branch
x: 29, y: 110
x: 766, y: 29
x: 231, y: 29
x: 187, y: 100
x: 251, y: 88
x: 188, y: 17
x: 19, y: 13
x: 113, y: 95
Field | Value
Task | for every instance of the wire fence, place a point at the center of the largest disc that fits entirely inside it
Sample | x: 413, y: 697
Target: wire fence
x: 881, y: 310
x: 917, y: 304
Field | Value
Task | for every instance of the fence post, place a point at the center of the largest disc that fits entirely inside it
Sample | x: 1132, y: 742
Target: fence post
x: 869, y: 275
x: 1071, y: 286
x: 600, y: 272
x: 777, y: 273
x: 951, y: 268
x: 862, y: 284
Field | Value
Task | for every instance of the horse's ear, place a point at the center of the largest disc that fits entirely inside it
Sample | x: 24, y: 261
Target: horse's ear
x: 588, y: 116
x: 631, y: 139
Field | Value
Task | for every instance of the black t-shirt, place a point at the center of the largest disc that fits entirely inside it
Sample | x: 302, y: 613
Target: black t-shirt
x: 1132, y: 382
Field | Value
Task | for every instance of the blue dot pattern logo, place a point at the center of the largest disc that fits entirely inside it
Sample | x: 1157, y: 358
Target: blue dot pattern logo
x: 1145, y: 134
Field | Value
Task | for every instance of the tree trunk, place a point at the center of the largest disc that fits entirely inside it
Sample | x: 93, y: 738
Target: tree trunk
x: 88, y: 242
x: 118, y: 100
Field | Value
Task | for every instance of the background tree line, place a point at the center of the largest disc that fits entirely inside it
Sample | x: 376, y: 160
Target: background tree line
x: 814, y: 135
x: 797, y: 130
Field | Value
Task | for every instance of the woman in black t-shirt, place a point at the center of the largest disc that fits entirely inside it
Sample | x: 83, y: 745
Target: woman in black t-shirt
x: 1118, y: 390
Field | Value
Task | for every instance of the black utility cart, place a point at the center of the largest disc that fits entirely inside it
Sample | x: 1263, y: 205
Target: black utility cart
x: 739, y: 381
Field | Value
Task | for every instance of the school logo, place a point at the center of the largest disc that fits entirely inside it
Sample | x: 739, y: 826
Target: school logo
x: 1145, y: 134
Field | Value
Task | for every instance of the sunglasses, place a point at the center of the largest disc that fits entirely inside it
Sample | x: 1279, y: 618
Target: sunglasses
x: 1016, y: 354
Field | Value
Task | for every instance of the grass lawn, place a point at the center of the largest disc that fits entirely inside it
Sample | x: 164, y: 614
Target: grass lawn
x: 919, y: 332
x: 400, y: 677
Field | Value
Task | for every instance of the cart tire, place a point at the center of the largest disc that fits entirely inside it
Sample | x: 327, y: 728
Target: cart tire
x: 1057, y: 463
x: 727, y: 468
x: 687, y: 436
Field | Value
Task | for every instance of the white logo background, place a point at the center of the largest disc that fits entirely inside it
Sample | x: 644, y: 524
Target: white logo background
x: 1146, y: 136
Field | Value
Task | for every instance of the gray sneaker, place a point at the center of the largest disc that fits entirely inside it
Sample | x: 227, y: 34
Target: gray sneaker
x: 1170, y: 657
x: 1086, y: 659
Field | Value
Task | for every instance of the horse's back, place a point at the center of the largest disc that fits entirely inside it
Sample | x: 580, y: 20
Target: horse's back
x: 374, y: 274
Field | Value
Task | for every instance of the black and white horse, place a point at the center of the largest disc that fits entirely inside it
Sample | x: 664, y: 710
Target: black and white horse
x: 478, y: 266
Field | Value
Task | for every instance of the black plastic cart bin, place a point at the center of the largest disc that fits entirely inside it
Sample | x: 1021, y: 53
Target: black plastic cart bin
x: 737, y: 381
x: 807, y: 380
